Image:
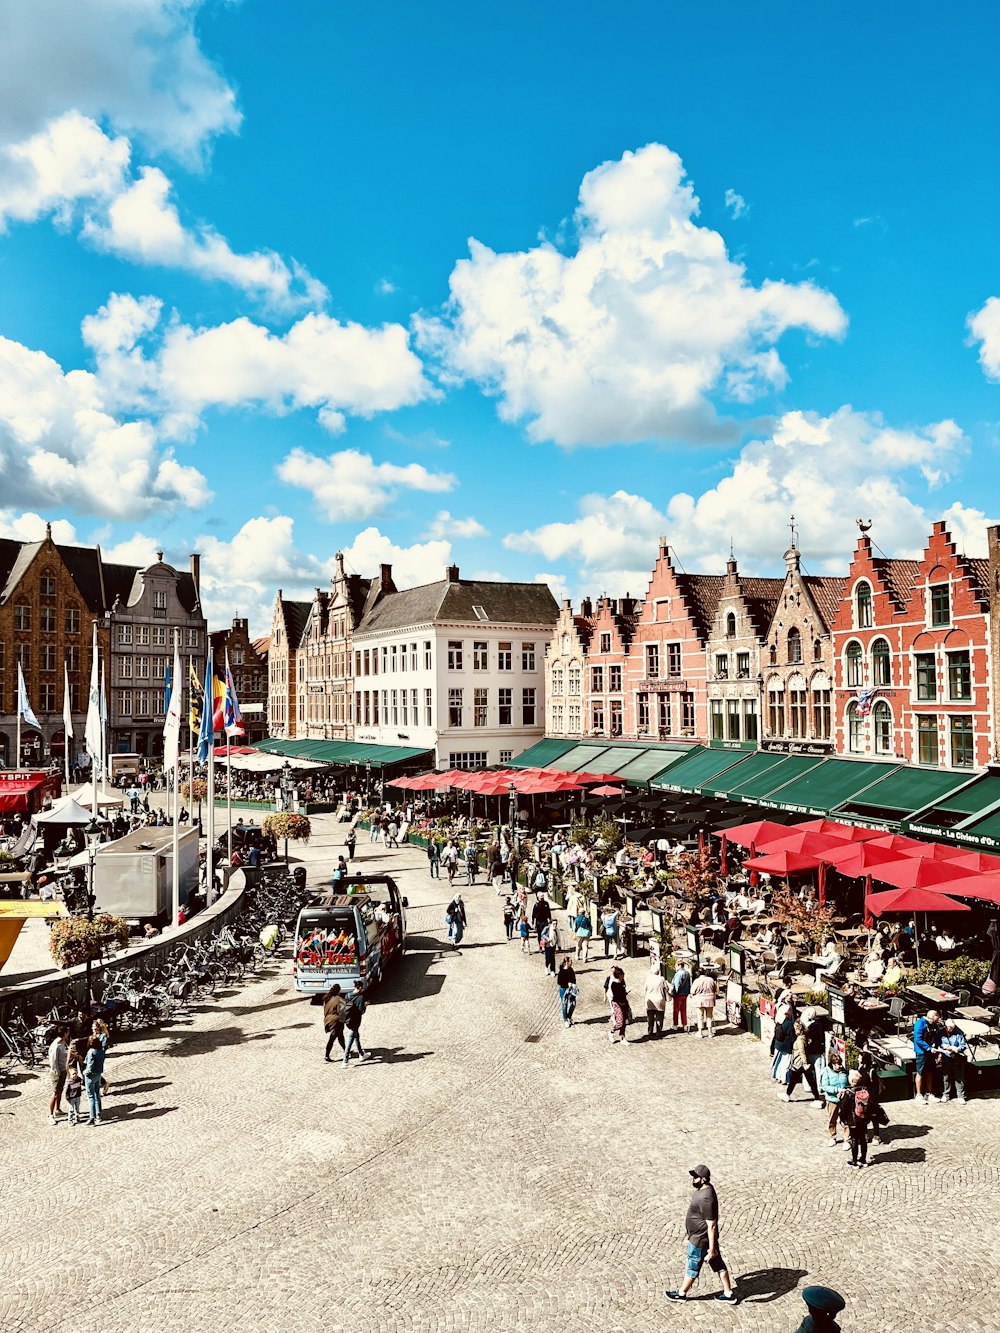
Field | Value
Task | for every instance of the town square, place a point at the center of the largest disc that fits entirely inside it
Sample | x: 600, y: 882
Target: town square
x: 499, y: 668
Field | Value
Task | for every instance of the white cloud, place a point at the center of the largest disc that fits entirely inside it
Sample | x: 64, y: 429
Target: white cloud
x: 444, y: 524
x: 736, y: 204
x: 384, y: 287
x: 349, y: 484
x: 29, y: 527
x: 827, y: 471
x: 74, y: 172
x: 138, y: 550
x: 625, y: 339
x: 135, y: 63
x: 61, y: 445
x: 984, y: 328
x: 558, y: 586
x: 423, y: 562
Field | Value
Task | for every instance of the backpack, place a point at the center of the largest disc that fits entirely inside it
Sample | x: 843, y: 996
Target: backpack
x: 861, y: 1105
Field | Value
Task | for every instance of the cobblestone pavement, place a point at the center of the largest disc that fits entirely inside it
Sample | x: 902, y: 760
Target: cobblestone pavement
x: 487, y: 1169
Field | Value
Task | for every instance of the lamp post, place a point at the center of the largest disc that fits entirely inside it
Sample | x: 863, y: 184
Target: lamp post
x: 513, y: 811
x: 92, y: 833
x: 368, y: 781
x: 286, y: 796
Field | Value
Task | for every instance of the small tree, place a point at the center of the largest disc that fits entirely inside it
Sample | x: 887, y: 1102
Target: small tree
x: 698, y: 875
x: 791, y: 911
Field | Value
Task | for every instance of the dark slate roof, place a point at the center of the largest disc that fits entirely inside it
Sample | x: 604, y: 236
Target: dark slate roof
x: 452, y: 602
x: 827, y: 593
x: 261, y: 646
x: 358, y: 589
x: 26, y: 552
x: 9, y: 551
x: 761, y: 597
x: 585, y: 628
x: 701, y: 593
x: 295, y: 615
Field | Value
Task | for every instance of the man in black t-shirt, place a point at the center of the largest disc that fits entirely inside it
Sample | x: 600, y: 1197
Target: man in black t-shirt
x: 702, y: 1226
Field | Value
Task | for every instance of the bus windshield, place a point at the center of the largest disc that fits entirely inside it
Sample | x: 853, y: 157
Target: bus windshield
x: 327, y: 940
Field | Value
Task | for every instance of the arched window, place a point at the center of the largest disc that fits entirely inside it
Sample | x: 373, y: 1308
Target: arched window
x: 881, y: 663
x: 863, y: 604
x: 794, y: 645
x: 855, y: 730
x: 882, y: 719
x: 817, y: 650
x: 730, y: 626
x: 852, y: 664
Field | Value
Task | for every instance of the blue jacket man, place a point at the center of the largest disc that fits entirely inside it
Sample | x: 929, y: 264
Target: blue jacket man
x: 926, y: 1045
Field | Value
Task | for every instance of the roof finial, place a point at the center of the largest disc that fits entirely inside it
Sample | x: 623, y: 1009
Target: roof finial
x: 864, y: 525
x: 794, y: 530
x: 48, y: 531
x: 732, y: 553
x: 159, y: 557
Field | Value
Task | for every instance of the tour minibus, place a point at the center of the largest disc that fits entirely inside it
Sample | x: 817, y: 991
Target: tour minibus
x: 356, y: 936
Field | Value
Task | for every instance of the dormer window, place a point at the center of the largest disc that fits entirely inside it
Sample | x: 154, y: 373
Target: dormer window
x: 480, y: 613
x: 940, y: 603
x: 730, y: 626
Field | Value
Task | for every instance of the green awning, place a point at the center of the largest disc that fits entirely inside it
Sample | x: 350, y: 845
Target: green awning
x: 582, y: 759
x: 754, y: 787
x: 730, y: 777
x: 980, y: 833
x: 976, y: 796
x: 542, y: 754
x: 650, y: 763
x: 698, y: 768
x: 827, y: 785
x: 344, y: 752
x: 617, y: 756
x: 903, y: 791
x: 731, y: 781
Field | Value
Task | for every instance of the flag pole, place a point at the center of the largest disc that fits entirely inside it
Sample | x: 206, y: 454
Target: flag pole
x: 175, y: 877
x: 209, y: 706
x: 229, y: 767
x: 92, y: 703
x: 67, y: 723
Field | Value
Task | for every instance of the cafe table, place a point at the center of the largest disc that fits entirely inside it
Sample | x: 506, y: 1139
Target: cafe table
x: 977, y: 1013
x: 932, y: 995
x: 972, y: 1028
x: 898, y: 1049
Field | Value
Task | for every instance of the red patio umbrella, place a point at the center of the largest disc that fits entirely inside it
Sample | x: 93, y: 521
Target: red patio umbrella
x: 977, y: 861
x: 847, y: 832
x: 808, y: 844
x: 931, y: 851
x: 899, y: 842
x: 784, y: 863
x: 984, y: 887
x: 400, y: 782
x: 583, y: 779
x: 745, y: 835
x: 605, y: 791
x: 917, y: 872
x: 913, y: 900
x: 854, y: 859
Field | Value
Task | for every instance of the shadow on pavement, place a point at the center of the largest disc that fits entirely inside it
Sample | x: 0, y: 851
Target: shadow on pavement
x: 118, y: 1114
x: 905, y: 1131
x: 197, y: 1043
x: 764, y: 1285
x: 132, y: 1087
x: 899, y: 1155
x: 263, y: 1008
x: 395, y: 1055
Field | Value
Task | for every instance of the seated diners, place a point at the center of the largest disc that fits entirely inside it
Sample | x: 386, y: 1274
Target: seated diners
x: 894, y: 972
x: 945, y: 941
x: 874, y: 967
x: 831, y: 964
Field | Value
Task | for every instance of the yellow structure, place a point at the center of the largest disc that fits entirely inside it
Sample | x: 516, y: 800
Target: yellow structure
x: 13, y: 916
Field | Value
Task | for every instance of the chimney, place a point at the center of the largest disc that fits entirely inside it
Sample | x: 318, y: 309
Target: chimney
x: 731, y: 566
x: 385, y: 577
x: 567, y: 604
x: 792, y: 560
x: 451, y: 573
x: 663, y: 545
x: 196, y: 574
x: 586, y: 607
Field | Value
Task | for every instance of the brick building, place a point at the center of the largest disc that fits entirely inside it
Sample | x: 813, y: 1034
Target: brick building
x: 665, y: 676
x: 288, y: 620
x: 325, y: 671
x: 614, y: 625
x: 797, y: 663
x: 912, y: 645
x: 733, y: 650
x: 248, y: 664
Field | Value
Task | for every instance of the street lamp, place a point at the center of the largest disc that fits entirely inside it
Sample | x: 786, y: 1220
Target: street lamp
x: 368, y: 781
x: 513, y: 811
x: 92, y: 833
x: 286, y: 796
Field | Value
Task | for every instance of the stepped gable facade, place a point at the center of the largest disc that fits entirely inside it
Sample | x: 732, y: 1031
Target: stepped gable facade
x: 326, y: 659
x: 288, y: 621
x: 797, y: 661
x: 913, y: 652
x: 734, y: 646
x: 614, y: 625
x: 565, y: 659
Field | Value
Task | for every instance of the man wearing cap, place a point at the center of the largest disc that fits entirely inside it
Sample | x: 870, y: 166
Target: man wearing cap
x: 702, y: 1226
x: 822, y: 1303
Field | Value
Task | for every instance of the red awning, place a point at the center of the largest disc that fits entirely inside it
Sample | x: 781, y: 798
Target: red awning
x: 22, y: 792
x: 748, y: 835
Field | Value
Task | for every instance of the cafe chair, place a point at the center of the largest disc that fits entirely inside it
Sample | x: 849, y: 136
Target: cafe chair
x: 897, y: 1007
x: 963, y: 998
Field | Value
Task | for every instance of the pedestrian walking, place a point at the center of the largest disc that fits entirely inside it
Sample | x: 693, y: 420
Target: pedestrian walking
x: 497, y: 872
x: 541, y: 915
x: 823, y: 1305
x: 620, y: 1011
x: 705, y: 994
x: 781, y: 1048
x: 449, y: 859
x: 509, y: 918
x: 702, y: 1228
x: 334, y: 1012
x: 457, y: 921
x: 434, y: 858
x: 583, y: 930
x: 609, y: 929
x: 832, y: 1084
x: 524, y: 930
x: 854, y: 1116
x: 93, y: 1067
x: 655, y: 992
x: 58, y: 1062
x: 471, y: 863
x: 680, y: 989
x: 800, y: 1067
x: 352, y: 1022
x: 74, y: 1081
x: 350, y: 842
x: 392, y: 834
x: 100, y: 1031
x: 550, y: 943
x: 568, y: 990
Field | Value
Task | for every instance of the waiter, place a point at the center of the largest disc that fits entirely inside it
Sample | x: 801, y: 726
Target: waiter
x: 822, y: 1303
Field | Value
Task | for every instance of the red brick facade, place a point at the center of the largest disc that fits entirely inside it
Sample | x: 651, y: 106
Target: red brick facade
x: 911, y: 642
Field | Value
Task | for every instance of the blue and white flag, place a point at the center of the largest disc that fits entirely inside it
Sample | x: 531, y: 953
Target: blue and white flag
x: 206, y: 735
x: 23, y: 707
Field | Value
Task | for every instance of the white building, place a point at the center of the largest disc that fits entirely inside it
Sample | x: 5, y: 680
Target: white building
x: 457, y: 667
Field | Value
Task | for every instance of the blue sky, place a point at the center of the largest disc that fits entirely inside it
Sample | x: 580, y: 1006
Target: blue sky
x: 728, y: 263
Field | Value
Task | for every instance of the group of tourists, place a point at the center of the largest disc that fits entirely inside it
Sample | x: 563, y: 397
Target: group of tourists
x: 76, y: 1058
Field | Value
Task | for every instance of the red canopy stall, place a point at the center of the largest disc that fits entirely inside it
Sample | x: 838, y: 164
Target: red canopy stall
x: 24, y: 791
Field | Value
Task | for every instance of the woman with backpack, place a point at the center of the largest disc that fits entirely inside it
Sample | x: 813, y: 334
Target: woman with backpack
x: 855, y: 1116
x: 568, y: 990
x: 582, y: 930
x: 609, y: 929
x: 800, y: 1066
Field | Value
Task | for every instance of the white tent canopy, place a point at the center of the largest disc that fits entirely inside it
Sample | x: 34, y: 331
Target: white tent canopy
x: 67, y: 811
x: 85, y: 795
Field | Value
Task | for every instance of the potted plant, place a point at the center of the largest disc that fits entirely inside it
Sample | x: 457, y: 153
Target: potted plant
x: 74, y: 939
x: 291, y: 827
